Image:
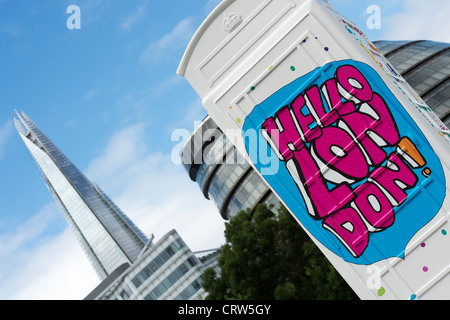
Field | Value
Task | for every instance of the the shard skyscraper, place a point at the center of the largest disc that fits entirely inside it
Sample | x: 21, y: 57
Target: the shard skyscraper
x: 106, y: 234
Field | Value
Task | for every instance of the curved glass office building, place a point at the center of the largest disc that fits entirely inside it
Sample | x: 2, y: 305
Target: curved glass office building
x: 227, y: 179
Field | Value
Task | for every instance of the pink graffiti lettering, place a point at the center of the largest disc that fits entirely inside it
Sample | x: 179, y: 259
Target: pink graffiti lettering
x: 326, y: 201
x: 304, y: 121
x: 314, y: 101
x: 341, y: 146
x: 348, y: 227
x: 378, y: 210
x: 395, y: 178
x: 334, y: 100
x: 283, y: 128
x: 337, y: 148
x: 374, y: 128
x: 354, y: 84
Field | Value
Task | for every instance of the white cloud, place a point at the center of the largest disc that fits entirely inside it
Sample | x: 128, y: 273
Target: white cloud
x: 70, y: 123
x: 12, y: 29
x: 164, y: 85
x: 37, y: 266
x: 91, y: 94
x: 27, y: 231
x: 56, y: 269
x: 190, y: 120
x: 175, y: 40
x: 122, y: 149
x: 6, y: 131
x: 154, y: 192
x: 93, y: 10
x: 134, y: 17
x: 418, y: 19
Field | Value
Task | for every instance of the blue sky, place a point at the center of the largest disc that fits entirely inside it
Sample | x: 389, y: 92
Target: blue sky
x: 109, y: 97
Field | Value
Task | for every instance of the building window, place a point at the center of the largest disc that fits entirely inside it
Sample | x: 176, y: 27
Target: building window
x: 439, y: 100
x: 126, y: 293
x: 171, y: 279
x: 190, y: 290
x: 387, y: 47
x: 430, y: 73
x: 411, y: 55
x: 156, y: 263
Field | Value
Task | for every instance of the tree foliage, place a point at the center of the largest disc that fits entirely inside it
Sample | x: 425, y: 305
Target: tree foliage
x: 268, y: 256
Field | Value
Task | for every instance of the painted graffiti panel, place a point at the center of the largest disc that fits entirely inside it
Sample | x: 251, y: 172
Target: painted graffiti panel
x: 353, y: 164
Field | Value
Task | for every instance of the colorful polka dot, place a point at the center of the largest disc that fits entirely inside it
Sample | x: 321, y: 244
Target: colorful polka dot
x: 381, y: 292
x: 413, y: 297
x: 252, y: 88
x: 326, y: 48
x: 292, y: 68
x: 426, y: 172
x: 425, y: 269
x: 444, y: 232
x: 271, y: 67
x: 238, y: 120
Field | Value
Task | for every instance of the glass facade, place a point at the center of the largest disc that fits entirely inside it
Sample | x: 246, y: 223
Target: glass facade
x: 168, y: 270
x: 171, y: 279
x: 156, y: 263
x: 249, y: 192
x: 106, y: 234
x: 425, y: 65
x: 408, y: 56
x: 226, y: 177
x: 440, y: 99
x: 192, y: 289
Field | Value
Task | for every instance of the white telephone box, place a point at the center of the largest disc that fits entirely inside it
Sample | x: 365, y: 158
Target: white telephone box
x: 351, y: 150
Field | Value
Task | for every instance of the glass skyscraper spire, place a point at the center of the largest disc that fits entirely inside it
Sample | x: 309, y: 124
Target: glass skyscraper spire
x: 106, y: 234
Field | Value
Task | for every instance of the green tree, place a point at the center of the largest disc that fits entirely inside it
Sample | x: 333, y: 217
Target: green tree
x: 268, y: 256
